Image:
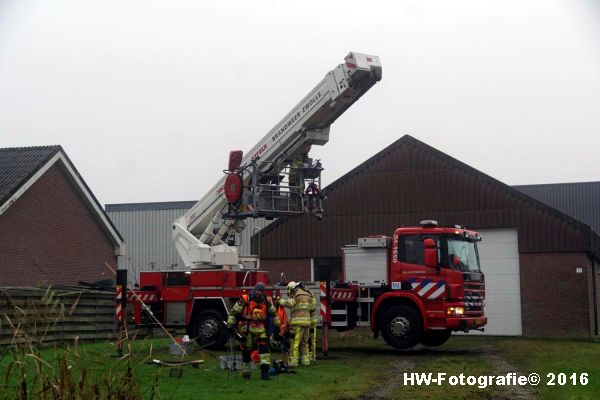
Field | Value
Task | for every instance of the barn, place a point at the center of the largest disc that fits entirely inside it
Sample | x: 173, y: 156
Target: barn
x: 580, y: 200
x: 541, y: 265
x: 53, y: 229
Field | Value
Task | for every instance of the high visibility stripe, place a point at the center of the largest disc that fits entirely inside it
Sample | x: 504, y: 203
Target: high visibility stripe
x: 119, y: 311
x: 341, y: 295
x: 300, y: 320
x: 257, y: 330
x: 426, y: 288
x: 288, y: 302
x: 437, y: 293
x: 303, y: 306
x: 265, y: 358
x: 323, y: 299
x: 145, y: 297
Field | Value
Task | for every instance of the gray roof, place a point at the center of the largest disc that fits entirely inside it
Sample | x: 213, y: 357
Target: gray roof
x: 18, y: 164
x: 580, y: 200
x: 167, y: 205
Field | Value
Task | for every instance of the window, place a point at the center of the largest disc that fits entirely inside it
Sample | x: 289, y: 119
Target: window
x: 463, y: 255
x: 176, y: 279
x: 412, y: 250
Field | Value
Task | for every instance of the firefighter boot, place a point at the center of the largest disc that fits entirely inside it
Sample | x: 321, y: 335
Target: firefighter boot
x: 245, y: 370
x: 264, y: 371
x: 305, y: 360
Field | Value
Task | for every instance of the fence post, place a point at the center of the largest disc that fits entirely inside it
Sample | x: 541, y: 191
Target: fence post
x: 121, y: 308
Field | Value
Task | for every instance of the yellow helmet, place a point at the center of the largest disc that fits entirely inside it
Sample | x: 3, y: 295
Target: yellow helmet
x: 290, y: 287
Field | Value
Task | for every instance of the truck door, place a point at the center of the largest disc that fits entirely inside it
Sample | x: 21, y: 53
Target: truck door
x: 410, y: 271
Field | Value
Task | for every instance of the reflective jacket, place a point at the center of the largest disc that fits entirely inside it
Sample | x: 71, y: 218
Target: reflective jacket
x: 303, y: 306
x: 253, y: 315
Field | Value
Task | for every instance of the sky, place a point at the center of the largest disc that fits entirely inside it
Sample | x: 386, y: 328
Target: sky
x: 148, y: 97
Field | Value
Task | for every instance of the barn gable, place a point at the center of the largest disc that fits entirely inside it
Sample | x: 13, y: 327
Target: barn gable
x: 410, y: 181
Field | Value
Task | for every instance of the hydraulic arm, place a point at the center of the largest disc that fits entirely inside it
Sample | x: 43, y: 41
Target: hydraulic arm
x: 276, y: 178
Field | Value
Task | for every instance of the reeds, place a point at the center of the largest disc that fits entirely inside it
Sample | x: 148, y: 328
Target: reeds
x: 31, y: 370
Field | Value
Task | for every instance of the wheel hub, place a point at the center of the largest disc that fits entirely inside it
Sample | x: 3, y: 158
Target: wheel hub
x: 400, y: 326
x: 208, y: 328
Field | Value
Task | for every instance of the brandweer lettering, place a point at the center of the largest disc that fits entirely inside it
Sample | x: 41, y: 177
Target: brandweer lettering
x: 306, y: 107
x: 259, y: 151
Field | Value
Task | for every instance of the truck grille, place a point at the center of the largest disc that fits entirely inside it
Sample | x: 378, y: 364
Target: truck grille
x: 474, y: 298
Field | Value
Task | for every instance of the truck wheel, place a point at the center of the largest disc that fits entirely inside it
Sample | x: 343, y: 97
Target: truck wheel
x: 209, y: 331
x: 434, y: 338
x: 402, y: 327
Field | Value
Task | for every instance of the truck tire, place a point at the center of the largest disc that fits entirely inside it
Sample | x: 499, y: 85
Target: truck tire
x: 434, y: 338
x: 401, y: 327
x: 209, y: 331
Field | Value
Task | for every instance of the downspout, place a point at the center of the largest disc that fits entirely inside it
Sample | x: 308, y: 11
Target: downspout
x: 592, y: 254
x: 594, y: 293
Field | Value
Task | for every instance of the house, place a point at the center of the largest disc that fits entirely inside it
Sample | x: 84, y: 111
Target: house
x: 52, y: 228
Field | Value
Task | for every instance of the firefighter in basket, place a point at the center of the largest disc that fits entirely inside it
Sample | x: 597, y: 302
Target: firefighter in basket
x: 252, y: 314
x: 303, y: 305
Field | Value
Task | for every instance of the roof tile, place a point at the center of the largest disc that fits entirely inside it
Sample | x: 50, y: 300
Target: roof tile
x: 18, y: 164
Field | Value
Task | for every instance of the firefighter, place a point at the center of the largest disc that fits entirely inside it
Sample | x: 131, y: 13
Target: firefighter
x: 295, y: 167
x: 303, y: 305
x: 252, y: 314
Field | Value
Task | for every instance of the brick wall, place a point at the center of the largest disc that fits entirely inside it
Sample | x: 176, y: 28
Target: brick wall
x: 295, y: 269
x: 50, y: 235
x: 555, y: 299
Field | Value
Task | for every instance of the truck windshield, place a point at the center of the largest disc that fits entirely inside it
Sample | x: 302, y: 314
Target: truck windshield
x: 463, y: 255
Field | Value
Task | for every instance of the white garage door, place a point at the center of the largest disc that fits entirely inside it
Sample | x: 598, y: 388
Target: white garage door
x: 499, y: 257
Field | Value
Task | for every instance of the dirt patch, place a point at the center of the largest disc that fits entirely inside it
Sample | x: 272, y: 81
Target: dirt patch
x: 502, y: 367
x: 386, y: 383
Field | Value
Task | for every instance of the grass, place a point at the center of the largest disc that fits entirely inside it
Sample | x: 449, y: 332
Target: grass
x: 363, y: 368
x: 547, y: 356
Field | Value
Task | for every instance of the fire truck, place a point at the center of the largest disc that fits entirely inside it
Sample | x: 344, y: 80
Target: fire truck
x: 418, y: 285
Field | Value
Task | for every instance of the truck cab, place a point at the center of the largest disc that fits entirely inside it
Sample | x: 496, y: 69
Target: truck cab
x: 417, y: 286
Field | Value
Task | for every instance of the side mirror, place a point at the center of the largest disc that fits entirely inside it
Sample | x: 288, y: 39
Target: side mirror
x: 430, y: 253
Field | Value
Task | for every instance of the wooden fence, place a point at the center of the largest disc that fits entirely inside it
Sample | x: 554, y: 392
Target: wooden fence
x: 55, y: 314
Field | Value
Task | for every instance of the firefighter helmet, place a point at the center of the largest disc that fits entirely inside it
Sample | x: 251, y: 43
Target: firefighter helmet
x: 291, y: 286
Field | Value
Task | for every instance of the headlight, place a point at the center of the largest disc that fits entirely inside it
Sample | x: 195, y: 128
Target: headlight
x: 455, y: 311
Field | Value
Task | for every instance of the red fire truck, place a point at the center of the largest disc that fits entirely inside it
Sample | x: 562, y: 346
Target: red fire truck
x: 418, y: 285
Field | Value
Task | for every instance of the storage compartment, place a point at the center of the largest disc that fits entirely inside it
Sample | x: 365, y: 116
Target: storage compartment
x: 365, y: 265
x: 176, y: 313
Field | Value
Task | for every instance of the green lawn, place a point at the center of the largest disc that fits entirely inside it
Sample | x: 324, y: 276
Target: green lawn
x: 360, y: 367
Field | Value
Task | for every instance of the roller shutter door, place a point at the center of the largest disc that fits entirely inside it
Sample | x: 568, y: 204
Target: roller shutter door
x: 499, y: 257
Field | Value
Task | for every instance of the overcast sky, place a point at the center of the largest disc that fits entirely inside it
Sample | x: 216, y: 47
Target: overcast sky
x: 148, y: 97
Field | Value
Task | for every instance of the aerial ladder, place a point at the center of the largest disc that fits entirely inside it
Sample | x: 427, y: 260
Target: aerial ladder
x: 276, y: 178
